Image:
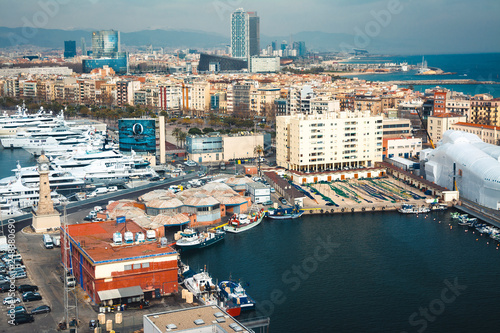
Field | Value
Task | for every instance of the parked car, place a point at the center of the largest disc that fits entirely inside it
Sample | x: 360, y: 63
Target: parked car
x: 32, y: 297
x: 4, y: 286
x: 11, y: 300
x: 18, y: 309
x: 27, y: 287
x: 41, y: 309
x: 267, y: 203
x: 272, y: 190
x: 283, y: 201
x: 22, y: 318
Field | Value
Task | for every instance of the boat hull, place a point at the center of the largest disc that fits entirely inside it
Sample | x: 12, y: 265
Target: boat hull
x: 242, y: 228
x: 205, y: 243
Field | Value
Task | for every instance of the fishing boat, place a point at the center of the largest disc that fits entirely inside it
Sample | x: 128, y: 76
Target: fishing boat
x: 284, y: 214
x: 202, y: 287
x: 191, y: 239
x: 455, y: 215
x: 410, y: 209
x: 242, y: 222
x: 235, y: 298
x: 439, y: 207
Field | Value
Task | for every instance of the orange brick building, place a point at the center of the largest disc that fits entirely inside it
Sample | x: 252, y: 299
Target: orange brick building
x: 99, y: 263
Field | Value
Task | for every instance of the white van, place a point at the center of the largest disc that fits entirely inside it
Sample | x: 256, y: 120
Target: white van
x: 47, y: 241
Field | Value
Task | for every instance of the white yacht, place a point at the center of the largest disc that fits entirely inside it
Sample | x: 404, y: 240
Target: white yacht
x: 9, y: 125
x: 18, y: 195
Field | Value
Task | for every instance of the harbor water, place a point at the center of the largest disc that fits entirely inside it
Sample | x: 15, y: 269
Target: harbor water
x: 9, y: 159
x: 363, y: 272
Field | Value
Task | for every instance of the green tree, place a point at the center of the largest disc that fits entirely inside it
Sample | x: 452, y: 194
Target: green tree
x: 208, y: 130
x: 195, y: 131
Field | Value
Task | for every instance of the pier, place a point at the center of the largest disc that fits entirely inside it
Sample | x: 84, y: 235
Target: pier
x: 441, y: 82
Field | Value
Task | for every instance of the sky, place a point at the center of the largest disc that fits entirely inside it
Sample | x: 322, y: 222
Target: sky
x: 435, y: 23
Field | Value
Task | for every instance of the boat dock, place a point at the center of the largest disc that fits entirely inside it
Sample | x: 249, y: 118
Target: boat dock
x: 489, y: 216
x: 441, y: 82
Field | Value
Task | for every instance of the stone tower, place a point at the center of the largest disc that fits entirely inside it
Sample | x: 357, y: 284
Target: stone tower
x: 45, y: 217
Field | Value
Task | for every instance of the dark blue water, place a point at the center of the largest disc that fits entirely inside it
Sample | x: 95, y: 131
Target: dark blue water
x: 9, y: 158
x: 381, y: 270
x: 481, y: 67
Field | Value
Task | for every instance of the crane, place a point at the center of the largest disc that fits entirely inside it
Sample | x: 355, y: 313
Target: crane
x: 425, y: 129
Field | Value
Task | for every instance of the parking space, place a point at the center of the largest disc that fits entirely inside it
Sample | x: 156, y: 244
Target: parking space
x: 43, y: 270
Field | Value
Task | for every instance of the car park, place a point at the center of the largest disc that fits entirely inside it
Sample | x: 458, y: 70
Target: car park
x: 22, y: 318
x: 11, y: 300
x: 4, y: 286
x: 41, y: 309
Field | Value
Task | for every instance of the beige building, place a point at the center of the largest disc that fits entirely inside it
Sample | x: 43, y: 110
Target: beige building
x: 262, y: 100
x: 214, y: 147
x: 396, y: 128
x: 487, y: 133
x: 200, y: 97
x: 437, y: 125
x: 331, y: 140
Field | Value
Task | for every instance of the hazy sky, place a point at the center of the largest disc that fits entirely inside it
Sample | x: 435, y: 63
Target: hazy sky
x: 467, y: 22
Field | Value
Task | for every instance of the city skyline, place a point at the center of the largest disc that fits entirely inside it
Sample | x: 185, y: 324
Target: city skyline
x: 446, y: 27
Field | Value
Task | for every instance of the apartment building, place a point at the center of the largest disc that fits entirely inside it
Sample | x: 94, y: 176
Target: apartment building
x: 396, y: 128
x: 485, y: 109
x: 487, y: 133
x: 438, y: 124
x: 326, y: 141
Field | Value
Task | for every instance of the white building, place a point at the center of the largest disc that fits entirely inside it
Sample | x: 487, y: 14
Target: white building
x: 437, y: 125
x: 264, y: 64
x: 474, y: 165
x: 332, y: 140
x: 259, y: 193
x: 402, y: 147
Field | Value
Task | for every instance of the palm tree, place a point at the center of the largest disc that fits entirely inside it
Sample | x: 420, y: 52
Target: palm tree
x: 182, y: 138
x: 176, y: 133
x: 258, y: 150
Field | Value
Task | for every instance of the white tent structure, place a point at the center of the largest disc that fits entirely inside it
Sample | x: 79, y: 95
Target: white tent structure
x: 474, y: 164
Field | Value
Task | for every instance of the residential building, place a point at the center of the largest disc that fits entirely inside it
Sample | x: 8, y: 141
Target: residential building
x: 440, y: 98
x: 485, y: 110
x: 111, y: 261
x: 332, y: 140
x: 489, y: 134
x: 459, y: 105
x: 437, y: 125
x: 125, y: 92
x: 170, y: 95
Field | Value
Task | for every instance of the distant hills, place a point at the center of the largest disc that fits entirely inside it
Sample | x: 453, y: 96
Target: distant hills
x: 170, y: 39
x: 175, y: 39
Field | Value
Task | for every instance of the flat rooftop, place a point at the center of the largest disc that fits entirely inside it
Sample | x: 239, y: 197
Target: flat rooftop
x: 184, y: 319
x: 95, y: 239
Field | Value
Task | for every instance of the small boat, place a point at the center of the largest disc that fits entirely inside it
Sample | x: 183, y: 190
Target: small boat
x: 410, y: 209
x: 241, y: 222
x: 192, y: 239
x: 235, y: 298
x: 284, y: 214
x: 455, y: 215
x: 202, y: 287
x: 439, y: 207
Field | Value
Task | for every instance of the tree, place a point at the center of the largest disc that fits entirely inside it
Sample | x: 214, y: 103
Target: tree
x: 176, y: 133
x: 208, y: 130
x: 258, y: 150
x: 182, y: 138
x: 195, y: 131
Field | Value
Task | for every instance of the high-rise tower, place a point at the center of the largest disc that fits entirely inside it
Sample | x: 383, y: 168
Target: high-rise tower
x: 245, y: 34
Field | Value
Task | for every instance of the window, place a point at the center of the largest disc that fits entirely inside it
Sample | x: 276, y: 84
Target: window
x: 137, y: 266
x: 128, y: 267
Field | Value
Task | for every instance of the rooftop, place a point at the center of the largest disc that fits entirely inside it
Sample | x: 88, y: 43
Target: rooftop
x: 95, y: 239
x: 478, y: 125
x: 206, y: 318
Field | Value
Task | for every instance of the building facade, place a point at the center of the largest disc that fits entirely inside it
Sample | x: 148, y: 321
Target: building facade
x: 332, y: 140
x: 489, y: 134
x: 245, y: 34
x: 437, y: 125
x: 69, y: 49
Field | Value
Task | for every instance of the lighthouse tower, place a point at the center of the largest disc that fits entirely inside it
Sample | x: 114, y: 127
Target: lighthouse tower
x: 45, y: 216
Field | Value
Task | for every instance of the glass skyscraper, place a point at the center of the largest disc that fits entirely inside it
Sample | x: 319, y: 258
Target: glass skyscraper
x: 69, y: 48
x: 106, y: 51
x: 245, y: 34
x: 105, y: 43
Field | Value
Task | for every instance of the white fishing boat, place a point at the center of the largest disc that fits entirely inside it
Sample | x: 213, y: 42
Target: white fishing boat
x: 202, y: 287
x: 242, y: 222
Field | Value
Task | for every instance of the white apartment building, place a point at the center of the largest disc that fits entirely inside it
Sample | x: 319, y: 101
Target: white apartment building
x: 402, y: 147
x: 263, y: 64
x: 437, y: 125
x: 331, y: 140
x: 170, y: 96
x: 200, y: 96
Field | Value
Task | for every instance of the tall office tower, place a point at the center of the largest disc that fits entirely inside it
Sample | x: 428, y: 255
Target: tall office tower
x: 245, y: 34
x: 69, y: 48
x: 253, y: 34
x: 105, y: 44
x: 84, y: 47
x: 106, y: 52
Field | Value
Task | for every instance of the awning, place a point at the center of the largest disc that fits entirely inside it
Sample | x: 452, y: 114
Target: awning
x: 120, y: 293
